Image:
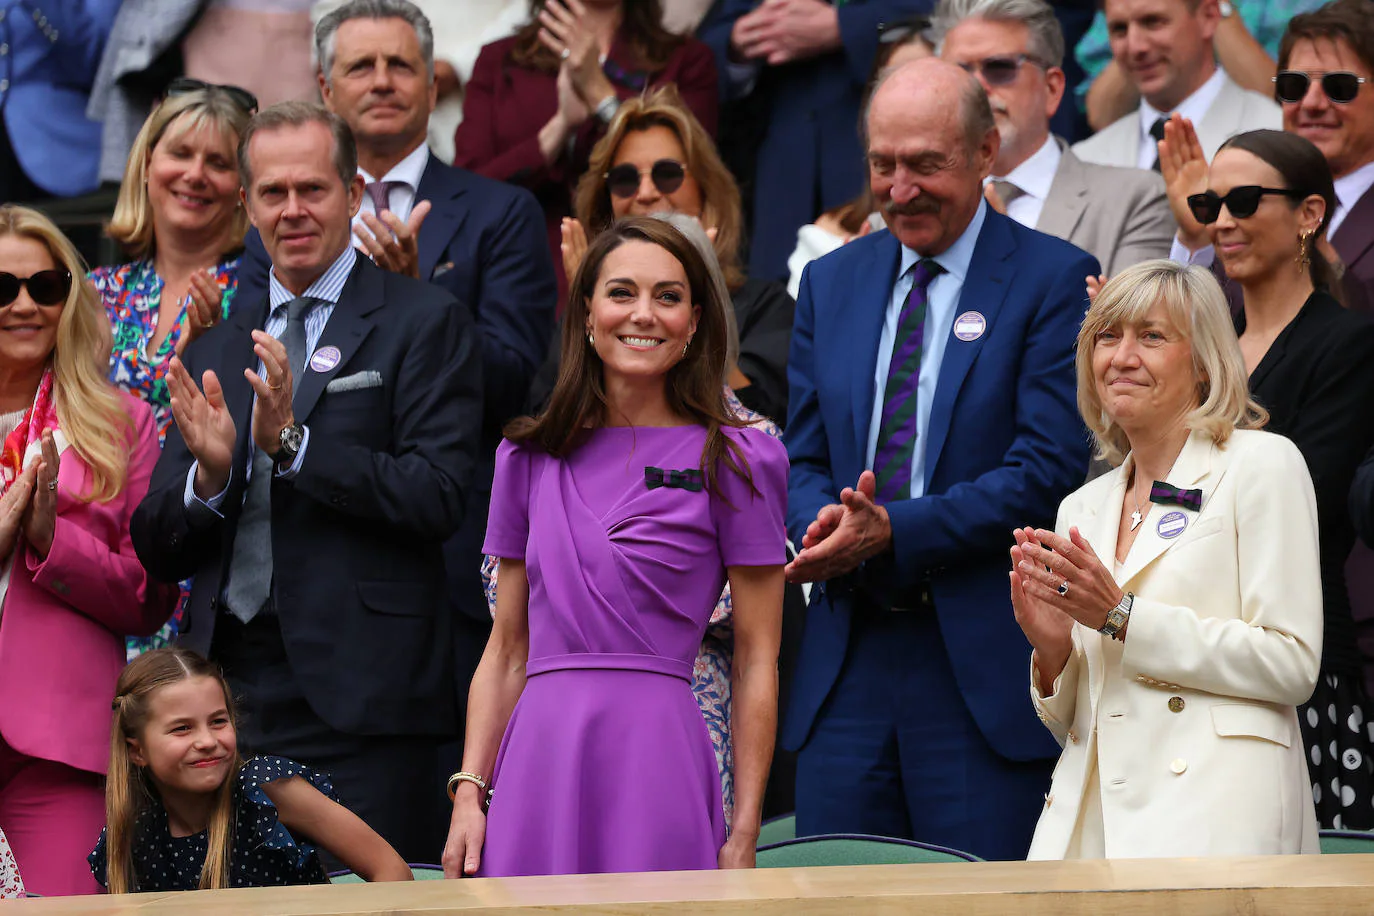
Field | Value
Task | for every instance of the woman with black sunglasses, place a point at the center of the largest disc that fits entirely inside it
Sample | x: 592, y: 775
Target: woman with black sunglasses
x: 76, y: 459
x: 180, y: 220
x: 1262, y: 210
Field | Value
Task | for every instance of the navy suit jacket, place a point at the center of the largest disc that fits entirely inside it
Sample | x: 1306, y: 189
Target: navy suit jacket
x: 483, y: 242
x: 809, y: 159
x: 1004, y: 446
x: 357, y: 534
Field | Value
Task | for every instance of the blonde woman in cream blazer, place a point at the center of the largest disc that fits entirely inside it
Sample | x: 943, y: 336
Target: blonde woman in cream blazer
x: 1180, y: 733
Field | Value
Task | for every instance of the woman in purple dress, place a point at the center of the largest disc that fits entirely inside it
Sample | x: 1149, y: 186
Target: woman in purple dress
x: 618, y: 515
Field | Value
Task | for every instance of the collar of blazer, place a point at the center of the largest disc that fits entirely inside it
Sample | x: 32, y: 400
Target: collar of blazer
x: 1199, y: 466
x: 1068, y: 196
x: 1356, y: 233
x: 441, y: 185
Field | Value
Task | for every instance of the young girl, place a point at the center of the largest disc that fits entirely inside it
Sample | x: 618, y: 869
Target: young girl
x: 185, y: 811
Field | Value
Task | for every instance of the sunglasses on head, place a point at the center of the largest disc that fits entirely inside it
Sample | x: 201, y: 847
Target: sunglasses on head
x: 237, y: 94
x: 1000, y: 70
x: 666, y: 174
x: 1242, y: 202
x: 47, y: 287
x: 1340, y: 86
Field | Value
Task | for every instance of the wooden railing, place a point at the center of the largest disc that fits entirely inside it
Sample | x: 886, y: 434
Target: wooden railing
x: 1135, y: 887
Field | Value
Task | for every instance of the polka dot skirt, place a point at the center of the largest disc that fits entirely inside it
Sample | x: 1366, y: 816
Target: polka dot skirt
x: 1339, y: 738
x: 265, y: 854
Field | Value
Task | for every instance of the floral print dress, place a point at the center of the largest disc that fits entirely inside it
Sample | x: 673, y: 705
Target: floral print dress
x: 132, y: 295
x: 10, y: 883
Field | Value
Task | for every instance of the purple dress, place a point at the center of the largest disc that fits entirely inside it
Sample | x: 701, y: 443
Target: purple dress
x: 606, y: 764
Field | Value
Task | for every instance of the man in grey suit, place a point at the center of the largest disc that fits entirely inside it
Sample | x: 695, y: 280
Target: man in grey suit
x: 1165, y: 48
x: 1015, y: 47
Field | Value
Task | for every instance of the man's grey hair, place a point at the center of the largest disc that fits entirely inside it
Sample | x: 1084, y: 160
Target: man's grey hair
x: 299, y: 114
x: 975, y: 111
x: 327, y: 29
x: 692, y: 230
x: 1046, y: 42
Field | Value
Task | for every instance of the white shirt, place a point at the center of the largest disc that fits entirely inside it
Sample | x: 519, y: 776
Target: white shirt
x: 1194, y: 108
x: 402, y: 197
x: 942, y: 301
x: 1033, y: 177
x: 1349, y: 190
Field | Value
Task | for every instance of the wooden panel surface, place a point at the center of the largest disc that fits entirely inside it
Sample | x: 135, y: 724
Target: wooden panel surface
x: 1182, y: 887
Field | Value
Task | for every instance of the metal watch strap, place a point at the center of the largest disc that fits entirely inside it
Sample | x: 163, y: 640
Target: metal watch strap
x: 1117, y: 616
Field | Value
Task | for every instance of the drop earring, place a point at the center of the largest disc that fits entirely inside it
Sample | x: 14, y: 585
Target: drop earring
x: 685, y: 346
x: 1304, y: 257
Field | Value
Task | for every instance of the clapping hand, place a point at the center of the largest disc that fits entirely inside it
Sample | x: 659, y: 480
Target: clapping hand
x: 1095, y: 285
x: 392, y: 244
x: 1065, y: 573
x: 573, y: 246
x: 1048, y: 629
x: 204, y: 310
x: 40, y: 522
x: 1184, y: 167
x: 205, y: 425
x: 272, y: 410
x: 13, y: 506
x: 843, y: 535
x: 563, y: 33
x: 781, y: 31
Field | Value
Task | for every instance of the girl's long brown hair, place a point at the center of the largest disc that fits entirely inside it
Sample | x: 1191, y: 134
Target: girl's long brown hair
x: 641, y: 27
x: 693, y: 385
x: 128, y: 789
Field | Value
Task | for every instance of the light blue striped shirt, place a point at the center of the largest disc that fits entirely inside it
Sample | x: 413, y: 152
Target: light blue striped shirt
x: 942, y: 301
x: 327, y: 289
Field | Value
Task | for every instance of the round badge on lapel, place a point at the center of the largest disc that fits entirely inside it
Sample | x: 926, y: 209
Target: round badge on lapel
x: 325, y: 358
x: 970, y: 326
x: 1171, y: 524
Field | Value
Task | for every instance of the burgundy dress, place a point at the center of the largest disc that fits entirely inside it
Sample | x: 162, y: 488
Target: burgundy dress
x: 606, y: 764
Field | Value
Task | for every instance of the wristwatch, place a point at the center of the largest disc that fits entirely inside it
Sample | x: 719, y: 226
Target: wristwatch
x: 1227, y: 9
x: 289, y: 444
x: 1117, y: 616
x: 605, y: 111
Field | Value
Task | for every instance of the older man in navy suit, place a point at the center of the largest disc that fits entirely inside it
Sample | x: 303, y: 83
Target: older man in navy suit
x: 932, y: 411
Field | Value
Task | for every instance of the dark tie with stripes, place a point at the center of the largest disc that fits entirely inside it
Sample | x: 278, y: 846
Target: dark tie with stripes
x: 892, y: 459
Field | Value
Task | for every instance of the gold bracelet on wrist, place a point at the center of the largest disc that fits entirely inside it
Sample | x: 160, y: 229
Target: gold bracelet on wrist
x: 473, y: 778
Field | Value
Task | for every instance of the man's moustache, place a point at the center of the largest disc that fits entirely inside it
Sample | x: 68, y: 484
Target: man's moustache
x: 918, y: 206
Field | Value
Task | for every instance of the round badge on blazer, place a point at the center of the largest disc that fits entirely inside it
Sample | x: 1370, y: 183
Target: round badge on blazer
x: 1176, y: 704
x: 1171, y: 525
x: 970, y: 326
x: 325, y: 358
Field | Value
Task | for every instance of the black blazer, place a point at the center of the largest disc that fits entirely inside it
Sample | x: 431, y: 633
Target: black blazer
x: 1354, y: 242
x: 1317, y: 382
x: 356, y: 536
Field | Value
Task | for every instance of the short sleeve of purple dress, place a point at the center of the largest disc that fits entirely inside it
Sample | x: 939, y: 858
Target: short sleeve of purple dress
x: 606, y: 764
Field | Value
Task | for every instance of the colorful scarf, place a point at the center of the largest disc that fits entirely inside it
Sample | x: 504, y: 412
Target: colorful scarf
x: 40, y: 418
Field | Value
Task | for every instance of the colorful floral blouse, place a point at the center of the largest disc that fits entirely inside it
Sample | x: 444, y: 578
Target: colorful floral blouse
x: 711, y: 672
x: 10, y: 883
x: 132, y: 295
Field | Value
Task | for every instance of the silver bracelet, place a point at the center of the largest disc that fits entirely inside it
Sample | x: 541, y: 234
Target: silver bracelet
x: 605, y: 111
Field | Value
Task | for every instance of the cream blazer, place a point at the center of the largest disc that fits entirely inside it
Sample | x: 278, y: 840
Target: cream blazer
x: 1196, y: 739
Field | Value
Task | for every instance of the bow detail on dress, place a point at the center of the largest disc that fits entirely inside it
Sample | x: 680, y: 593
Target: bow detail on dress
x: 689, y: 479
x: 1163, y: 493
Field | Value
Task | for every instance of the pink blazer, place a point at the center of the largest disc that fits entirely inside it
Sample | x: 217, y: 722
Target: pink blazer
x: 65, y: 617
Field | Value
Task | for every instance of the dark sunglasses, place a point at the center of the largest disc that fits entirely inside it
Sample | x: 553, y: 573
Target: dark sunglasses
x: 1001, y: 70
x: 240, y: 96
x: 666, y: 174
x: 47, y: 287
x: 1340, y: 86
x: 1242, y: 202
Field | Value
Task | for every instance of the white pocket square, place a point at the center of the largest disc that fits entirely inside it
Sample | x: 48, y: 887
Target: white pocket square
x: 368, y: 378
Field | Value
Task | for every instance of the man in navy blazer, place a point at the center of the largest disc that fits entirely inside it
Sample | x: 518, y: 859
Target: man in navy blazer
x: 910, y: 706
x: 481, y: 240
x: 808, y: 63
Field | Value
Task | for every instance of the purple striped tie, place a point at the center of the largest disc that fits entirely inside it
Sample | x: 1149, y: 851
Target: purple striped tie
x: 897, y: 428
x: 380, y: 193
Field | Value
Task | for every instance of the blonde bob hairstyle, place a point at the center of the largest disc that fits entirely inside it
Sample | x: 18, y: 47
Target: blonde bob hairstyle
x: 177, y: 115
x: 1196, y: 307
x: 89, y: 408
x: 720, y: 199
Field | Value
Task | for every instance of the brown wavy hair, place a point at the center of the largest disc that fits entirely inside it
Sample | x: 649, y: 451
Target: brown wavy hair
x: 720, y: 198
x: 641, y: 27
x: 692, y: 386
x: 128, y: 788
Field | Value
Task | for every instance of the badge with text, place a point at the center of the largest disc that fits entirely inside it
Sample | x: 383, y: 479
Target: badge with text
x: 970, y: 326
x: 1171, y: 524
x: 325, y: 358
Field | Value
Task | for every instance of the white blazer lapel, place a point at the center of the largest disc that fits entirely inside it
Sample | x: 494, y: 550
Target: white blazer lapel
x: 1100, y: 528
x: 1193, y: 469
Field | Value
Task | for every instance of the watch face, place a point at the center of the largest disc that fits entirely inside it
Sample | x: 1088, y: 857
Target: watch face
x: 291, y: 439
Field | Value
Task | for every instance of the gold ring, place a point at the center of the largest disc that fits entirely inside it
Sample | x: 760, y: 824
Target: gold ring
x: 271, y: 387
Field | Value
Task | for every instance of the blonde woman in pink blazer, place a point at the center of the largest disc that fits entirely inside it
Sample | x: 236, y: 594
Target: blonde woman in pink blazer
x: 76, y: 459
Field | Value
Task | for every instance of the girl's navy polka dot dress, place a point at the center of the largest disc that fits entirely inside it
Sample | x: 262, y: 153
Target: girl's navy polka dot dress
x: 265, y: 854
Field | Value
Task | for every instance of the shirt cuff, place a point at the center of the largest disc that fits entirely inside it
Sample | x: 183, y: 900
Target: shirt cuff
x: 203, y: 509
x: 295, y: 467
x: 1179, y: 253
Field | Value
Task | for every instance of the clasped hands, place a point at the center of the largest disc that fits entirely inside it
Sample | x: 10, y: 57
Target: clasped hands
x: 781, y: 31
x: 843, y: 535
x: 1042, y: 563
x: 582, y: 84
x: 30, y: 504
x: 204, y: 420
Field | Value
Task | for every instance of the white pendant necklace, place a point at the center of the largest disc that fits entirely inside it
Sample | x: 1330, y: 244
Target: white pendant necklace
x: 1136, y: 516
